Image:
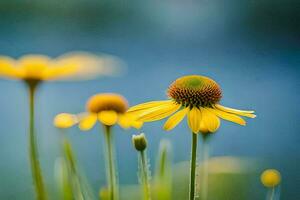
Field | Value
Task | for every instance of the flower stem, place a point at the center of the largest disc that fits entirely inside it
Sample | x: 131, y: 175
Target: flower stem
x: 110, y: 164
x: 145, y: 175
x: 271, y: 193
x: 204, y: 169
x: 193, y: 166
x: 33, y: 151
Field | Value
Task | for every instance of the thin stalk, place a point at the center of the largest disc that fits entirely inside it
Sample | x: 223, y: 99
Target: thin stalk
x: 271, y: 194
x: 110, y: 164
x: 33, y: 150
x: 193, y: 166
x: 204, y: 170
x: 145, y: 176
x: 74, y: 177
x: 79, y: 188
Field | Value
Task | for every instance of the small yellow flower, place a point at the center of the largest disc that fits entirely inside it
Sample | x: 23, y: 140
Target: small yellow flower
x: 109, y: 109
x: 37, y: 68
x: 196, y: 97
x: 270, y: 178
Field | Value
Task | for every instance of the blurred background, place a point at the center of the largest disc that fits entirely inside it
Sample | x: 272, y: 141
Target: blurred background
x: 251, y: 48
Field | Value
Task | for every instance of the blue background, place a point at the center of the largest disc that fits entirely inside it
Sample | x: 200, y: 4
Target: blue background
x: 250, y: 48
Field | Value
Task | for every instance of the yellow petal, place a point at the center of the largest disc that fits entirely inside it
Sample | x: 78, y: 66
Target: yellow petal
x: 108, y: 118
x: 60, y: 72
x: 194, y: 118
x: 228, y: 116
x: 148, y: 105
x: 64, y: 120
x: 246, y: 113
x: 203, y: 128
x: 210, y: 120
x: 137, y: 124
x: 127, y: 120
x: 87, y: 122
x: 159, y: 112
x: 88, y: 66
x: 175, y: 119
x: 7, y: 67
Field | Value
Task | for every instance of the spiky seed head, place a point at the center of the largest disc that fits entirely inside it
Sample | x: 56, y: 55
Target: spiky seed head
x: 107, y: 101
x: 195, y: 90
x: 139, y: 142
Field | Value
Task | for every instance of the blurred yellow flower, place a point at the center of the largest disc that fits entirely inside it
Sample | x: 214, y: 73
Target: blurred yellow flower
x: 77, y: 65
x: 270, y: 178
x: 196, y: 97
x: 109, y: 109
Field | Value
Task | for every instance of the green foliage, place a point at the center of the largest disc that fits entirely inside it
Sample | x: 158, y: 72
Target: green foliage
x: 162, y: 185
x: 72, y: 183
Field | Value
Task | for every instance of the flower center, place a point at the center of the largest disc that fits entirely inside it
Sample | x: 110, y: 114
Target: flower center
x: 33, y: 66
x: 103, y: 102
x: 195, y: 90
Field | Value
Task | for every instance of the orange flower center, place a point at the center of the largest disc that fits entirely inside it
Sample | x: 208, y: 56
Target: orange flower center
x: 195, y: 90
x: 104, y: 102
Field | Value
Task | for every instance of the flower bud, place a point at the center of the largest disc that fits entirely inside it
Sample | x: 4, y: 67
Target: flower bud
x: 139, y: 142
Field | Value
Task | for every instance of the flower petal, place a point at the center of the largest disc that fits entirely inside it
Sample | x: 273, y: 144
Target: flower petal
x: 54, y: 72
x: 87, y: 122
x: 137, y: 124
x: 127, y: 120
x: 175, y: 119
x: 148, y: 105
x: 159, y: 112
x: 210, y: 120
x: 228, y: 116
x: 88, y: 66
x: 194, y: 118
x: 7, y: 67
x: 108, y: 118
x: 65, y: 120
x: 203, y: 128
x: 246, y: 113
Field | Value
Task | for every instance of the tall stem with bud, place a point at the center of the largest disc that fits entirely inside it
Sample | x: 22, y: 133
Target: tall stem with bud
x: 140, y: 144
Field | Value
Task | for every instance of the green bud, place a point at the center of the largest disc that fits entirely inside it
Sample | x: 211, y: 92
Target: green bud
x: 139, y: 142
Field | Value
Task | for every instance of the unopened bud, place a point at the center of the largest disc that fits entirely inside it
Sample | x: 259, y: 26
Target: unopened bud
x: 139, y: 142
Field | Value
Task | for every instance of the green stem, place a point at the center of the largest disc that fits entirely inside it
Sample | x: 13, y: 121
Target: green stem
x: 33, y: 151
x: 110, y: 165
x: 204, y: 169
x: 145, y: 176
x: 272, y: 193
x: 193, y: 166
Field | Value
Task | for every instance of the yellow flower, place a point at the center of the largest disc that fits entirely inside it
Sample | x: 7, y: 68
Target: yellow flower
x: 270, y: 178
x: 37, y: 68
x: 196, y: 97
x: 109, y: 109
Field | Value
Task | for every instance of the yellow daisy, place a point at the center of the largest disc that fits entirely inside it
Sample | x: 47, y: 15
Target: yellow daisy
x: 196, y: 97
x: 78, y: 65
x: 109, y: 109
